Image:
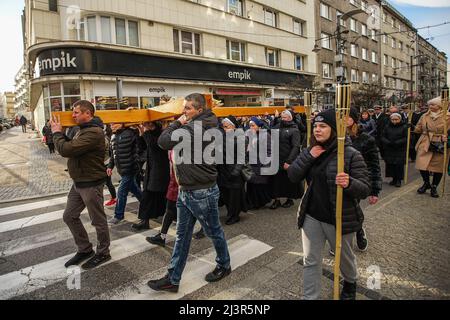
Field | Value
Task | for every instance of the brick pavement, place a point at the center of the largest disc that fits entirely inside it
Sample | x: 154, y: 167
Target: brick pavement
x: 27, y: 168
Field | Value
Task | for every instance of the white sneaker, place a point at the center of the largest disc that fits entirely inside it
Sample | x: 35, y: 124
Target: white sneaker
x: 114, y: 221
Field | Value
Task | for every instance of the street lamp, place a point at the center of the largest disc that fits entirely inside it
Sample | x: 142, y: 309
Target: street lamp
x: 340, y: 44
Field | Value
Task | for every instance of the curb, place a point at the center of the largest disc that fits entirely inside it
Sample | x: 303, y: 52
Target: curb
x: 34, y: 197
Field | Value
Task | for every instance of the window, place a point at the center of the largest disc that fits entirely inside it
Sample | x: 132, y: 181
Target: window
x: 364, y: 54
x: 272, y: 57
x: 354, y: 75
x: 53, y: 5
x: 386, y: 60
x: 364, y: 5
x: 186, y: 42
x: 393, y: 62
x: 235, y: 51
x: 299, y: 27
x: 121, y: 36
x: 374, y: 77
x: 400, y: 45
x: 92, y: 28
x: 385, y: 82
x: 326, y: 70
x: 110, y: 103
x: 326, y: 41
x: 364, y: 29
x: 354, y: 50
x: 365, y: 77
x: 235, y: 7
x: 353, y: 25
x: 325, y: 11
x: 270, y: 17
x: 106, y: 29
x: 133, y: 33
x: 109, y: 30
x: 374, y: 57
x: 300, y: 62
x: 385, y: 39
x: 394, y: 43
x: 353, y: 2
x: 374, y: 34
x: 341, y: 21
x: 61, y: 96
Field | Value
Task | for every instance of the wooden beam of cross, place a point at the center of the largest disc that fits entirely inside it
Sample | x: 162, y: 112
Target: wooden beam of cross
x: 169, y: 112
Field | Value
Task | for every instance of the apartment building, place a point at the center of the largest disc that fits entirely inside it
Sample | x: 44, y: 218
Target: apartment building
x: 398, y: 49
x: 21, y: 86
x: 361, y: 54
x: 244, y: 52
x: 7, y: 105
x: 431, y: 70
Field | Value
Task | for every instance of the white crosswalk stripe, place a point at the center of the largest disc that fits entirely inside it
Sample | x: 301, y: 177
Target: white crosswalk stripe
x: 19, y: 275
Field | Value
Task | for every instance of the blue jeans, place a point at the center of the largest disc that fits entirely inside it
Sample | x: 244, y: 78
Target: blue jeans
x: 127, y: 184
x: 201, y: 205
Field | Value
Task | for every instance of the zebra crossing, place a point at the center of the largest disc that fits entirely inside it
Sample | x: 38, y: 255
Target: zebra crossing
x: 35, y: 243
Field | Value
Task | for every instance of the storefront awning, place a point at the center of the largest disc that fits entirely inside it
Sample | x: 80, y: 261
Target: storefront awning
x: 237, y: 92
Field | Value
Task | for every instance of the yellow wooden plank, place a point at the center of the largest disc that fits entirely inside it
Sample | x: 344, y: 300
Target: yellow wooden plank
x: 167, y: 112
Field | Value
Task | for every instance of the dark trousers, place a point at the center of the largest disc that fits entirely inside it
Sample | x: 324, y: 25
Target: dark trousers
x: 51, y: 147
x: 24, y: 128
x: 169, y: 217
x: 111, y: 188
x: 92, y: 198
x: 232, y: 198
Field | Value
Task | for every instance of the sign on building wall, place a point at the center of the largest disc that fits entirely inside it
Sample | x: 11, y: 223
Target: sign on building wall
x: 114, y: 63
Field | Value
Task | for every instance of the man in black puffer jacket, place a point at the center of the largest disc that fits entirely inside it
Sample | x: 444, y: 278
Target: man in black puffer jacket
x: 125, y: 156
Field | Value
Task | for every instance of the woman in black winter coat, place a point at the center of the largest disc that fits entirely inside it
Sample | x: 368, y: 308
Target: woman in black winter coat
x: 47, y: 132
x: 368, y: 125
x: 394, y: 140
x: 230, y: 180
x: 317, y: 219
x: 367, y: 145
x: 156, y: 178
x: 289, y: 144
x: 258, y: 187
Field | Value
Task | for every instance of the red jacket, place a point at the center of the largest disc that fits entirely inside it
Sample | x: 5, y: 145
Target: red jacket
x: 172, y: 191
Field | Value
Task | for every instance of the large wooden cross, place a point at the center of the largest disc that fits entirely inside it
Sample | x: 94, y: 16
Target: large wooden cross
x: 170, y: 111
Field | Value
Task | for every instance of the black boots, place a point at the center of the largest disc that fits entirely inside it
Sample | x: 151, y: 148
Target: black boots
x: 424, y: 188
x: 289, y: 203
x: 142, y: 225
x: 434, y: 192
x: 349, y: 291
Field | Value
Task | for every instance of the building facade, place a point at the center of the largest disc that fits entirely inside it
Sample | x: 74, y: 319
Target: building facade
x: 244, y: 52
x: 398, y: 49
x: 360, y: 59
x: 431, y: 71
x: 7, y: 105
x: 21, y: 100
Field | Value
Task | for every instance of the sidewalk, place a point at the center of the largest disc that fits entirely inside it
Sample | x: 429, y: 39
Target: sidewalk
x: 27, y: 168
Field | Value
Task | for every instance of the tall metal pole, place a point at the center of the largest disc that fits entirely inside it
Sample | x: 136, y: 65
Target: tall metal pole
x: 308, y: 107
x: 343, y: 99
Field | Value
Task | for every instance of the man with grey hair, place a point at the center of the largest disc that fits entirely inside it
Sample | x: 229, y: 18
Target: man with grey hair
x: 198, y: 197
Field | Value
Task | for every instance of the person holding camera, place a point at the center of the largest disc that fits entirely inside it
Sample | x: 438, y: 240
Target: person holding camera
x: 430, y: 147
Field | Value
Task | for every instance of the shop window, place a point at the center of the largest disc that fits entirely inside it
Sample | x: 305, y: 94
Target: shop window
x: 149, y: 102
x: 110, y: 103
x: 60, y: 96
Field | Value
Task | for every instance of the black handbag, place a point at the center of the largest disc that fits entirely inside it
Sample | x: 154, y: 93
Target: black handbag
x: 435, y: 146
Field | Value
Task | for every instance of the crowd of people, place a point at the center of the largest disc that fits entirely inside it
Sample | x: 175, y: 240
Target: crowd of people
x: 187, y: 192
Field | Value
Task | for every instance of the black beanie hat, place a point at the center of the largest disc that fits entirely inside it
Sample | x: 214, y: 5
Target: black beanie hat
x: 328, y: 117
x: 354, y: 114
